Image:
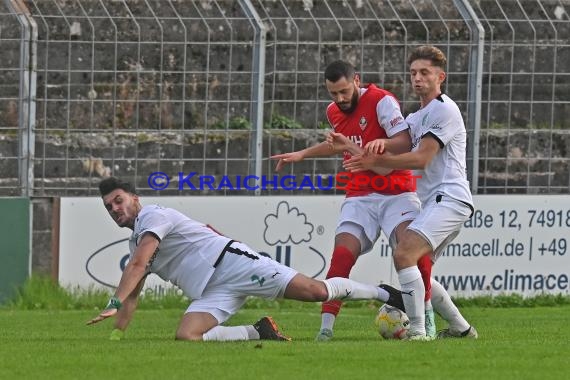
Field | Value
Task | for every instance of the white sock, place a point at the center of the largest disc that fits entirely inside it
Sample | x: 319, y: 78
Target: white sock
x: 413, y: 294
x: 344, y: 289
x: 445, y: 307
x: 327, y: 321
x: 228, y: 333
x: 383, y: 295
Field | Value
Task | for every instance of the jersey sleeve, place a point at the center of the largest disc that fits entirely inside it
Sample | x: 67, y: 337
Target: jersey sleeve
x: 155, y: 223
x: 329, y: 114
x: 389, y: 116
x: 442, y: 125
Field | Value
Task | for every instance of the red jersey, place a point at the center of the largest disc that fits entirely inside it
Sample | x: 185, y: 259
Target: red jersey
x: 377, y: 115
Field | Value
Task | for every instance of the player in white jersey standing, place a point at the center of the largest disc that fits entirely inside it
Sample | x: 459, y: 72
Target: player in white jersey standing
x: 216, y: 272
x: 438, y: 156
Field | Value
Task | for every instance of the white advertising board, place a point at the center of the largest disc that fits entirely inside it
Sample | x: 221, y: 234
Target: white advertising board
x: 513, y: 244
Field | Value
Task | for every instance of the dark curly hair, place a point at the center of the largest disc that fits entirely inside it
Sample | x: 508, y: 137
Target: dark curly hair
x: 109, y: 184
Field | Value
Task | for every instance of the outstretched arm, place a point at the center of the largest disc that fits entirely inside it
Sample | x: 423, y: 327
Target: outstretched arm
x: 319, y: 150
x: 125, y: 314
x: 133, y: 274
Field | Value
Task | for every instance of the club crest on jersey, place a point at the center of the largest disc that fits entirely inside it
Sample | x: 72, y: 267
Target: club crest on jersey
x: 362, y: 122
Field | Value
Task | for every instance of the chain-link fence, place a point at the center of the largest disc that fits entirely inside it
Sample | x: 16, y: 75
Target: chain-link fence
x: 526, y: 97
x: 132, y: 87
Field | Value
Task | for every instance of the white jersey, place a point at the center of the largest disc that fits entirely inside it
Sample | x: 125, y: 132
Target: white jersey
x: 446, y: 173
x: 188, y: 249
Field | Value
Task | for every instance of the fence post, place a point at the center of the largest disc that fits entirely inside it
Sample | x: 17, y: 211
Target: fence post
x: 27, y: 101
x: 474, y: 90
x: 258, y: 86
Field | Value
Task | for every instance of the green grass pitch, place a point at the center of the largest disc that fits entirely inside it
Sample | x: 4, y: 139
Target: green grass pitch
x: 514, y: 343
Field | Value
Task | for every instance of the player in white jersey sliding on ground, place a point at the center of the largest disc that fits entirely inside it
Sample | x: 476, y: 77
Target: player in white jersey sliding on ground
x: 216, y: 272
x: 438, y: 156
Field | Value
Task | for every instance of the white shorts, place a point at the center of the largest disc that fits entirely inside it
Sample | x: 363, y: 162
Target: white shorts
x: 440, y: 222
x: 240, y: 274
x: 367, y: 216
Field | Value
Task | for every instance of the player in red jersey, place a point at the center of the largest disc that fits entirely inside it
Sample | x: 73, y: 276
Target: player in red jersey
x: 363, y: 114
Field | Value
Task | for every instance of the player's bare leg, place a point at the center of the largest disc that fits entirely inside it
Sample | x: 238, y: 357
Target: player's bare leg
x: 194, y: 325
x: 303, y: 288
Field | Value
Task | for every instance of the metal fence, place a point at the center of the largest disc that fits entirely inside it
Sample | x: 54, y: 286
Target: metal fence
x: 526, y: 97
x: 131, y: 87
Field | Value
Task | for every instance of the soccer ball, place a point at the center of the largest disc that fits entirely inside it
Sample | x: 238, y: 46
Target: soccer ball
x: 392, y: 322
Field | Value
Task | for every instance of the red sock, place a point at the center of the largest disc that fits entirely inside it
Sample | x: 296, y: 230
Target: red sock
x: 341, y: 263
x: 424, y: 265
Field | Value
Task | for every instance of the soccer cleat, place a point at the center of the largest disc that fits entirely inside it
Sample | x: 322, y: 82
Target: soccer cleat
x: 268, y: 330
x: 324, y: 335
x: 470, y: 333
x: 430, y: 323
x: 417, y: 338
x: 395, y: 298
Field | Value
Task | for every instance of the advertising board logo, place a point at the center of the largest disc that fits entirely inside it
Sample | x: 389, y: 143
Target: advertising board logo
x: 102, y: 266
x: 289, y: 232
